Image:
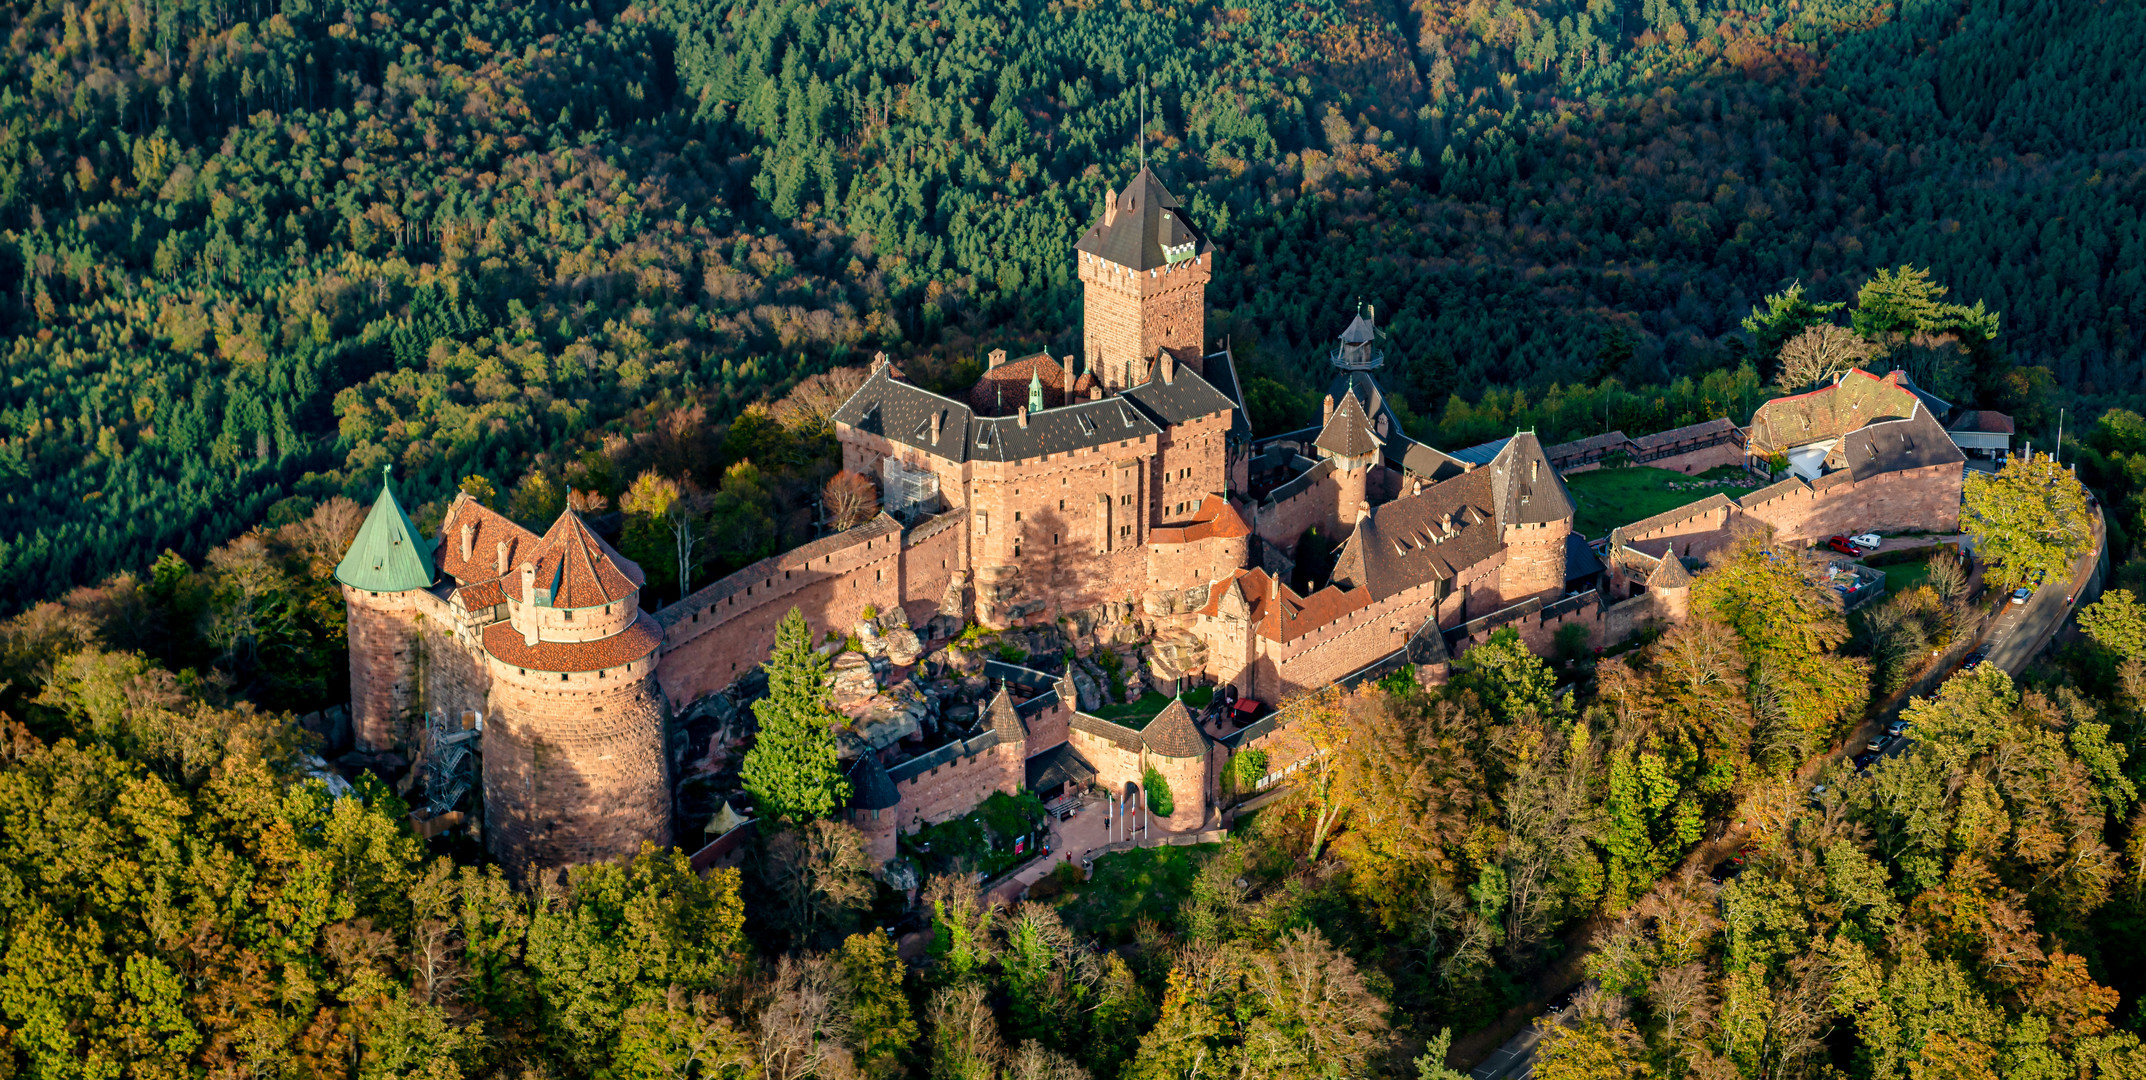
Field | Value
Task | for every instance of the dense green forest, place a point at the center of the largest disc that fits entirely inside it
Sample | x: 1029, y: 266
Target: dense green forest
x: 251, y: 252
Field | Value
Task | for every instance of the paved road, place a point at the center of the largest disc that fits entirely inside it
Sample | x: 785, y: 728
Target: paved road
x: 1516, y: 1059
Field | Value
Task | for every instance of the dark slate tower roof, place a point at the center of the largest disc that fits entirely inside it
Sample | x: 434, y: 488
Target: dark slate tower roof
x: 1348, y: 432
x: 1528, y: 490
x: 1142, y: 228
x: 1006, y: 720
x: 387, y: 555
x: 1173, y: 734
x: 870, y: 786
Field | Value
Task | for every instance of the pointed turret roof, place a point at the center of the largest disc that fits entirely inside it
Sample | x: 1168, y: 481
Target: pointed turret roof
x: 1348, y: 432
x: 578, y: 568
x: 1142, y: 228
x: 870, y: 786
x: 1528, y: 489
x: 726, y: 819
x: 388, y: 554
x: 1005, y: 719
x: 1173, y: 734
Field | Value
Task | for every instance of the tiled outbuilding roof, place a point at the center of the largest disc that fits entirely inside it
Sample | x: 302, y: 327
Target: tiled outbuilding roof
x: 1427, y: 536
x: 488, y: 529
x: 1856, y: 400
x: 576, y: 569
x: 639, y: 639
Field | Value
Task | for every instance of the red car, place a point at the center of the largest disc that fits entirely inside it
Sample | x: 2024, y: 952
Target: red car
x: 1841, y: 544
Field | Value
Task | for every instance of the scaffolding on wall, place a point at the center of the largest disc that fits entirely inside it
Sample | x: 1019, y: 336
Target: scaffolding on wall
x: 907, y: 491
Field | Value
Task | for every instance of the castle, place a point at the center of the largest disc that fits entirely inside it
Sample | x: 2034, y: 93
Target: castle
x: 1118, y: 500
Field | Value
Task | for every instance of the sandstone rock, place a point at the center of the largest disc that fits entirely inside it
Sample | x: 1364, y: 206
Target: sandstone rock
x: 853, y: 677
x: 882, y: 720
x: 943, y: 627
x: 1086, y: 689
x: 950, y: 602
x: 903, y: 648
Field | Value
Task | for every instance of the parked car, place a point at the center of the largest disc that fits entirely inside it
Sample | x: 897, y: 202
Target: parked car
x: 1898, y: 728
x: 1818, y: 794
x: 1865, y: 760
x: 1973, y: 661
x: 1841, y: 544
x: 2021, y: 594
x: 1876, y: 746
x: 1866, y: 541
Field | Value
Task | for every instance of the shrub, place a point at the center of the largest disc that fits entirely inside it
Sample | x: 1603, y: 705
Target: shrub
x: 1158, y: 793
x: 1247, y: 769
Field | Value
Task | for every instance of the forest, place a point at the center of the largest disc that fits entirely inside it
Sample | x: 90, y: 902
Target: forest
x: 250, y: 252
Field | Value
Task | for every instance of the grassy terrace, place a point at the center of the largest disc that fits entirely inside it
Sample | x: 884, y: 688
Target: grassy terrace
x: 1136, y: 713
x: 1607, y: 498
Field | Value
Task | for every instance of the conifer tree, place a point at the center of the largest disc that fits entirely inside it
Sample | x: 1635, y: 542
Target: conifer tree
x: 791, y: 770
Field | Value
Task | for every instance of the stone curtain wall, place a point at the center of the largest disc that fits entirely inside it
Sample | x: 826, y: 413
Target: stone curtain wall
x: 1534, y: 562
x: 948, y: 791
x: 1190, y: 465
x: 1927, y: 498
x: 576, y: 774
x: 720, y: 632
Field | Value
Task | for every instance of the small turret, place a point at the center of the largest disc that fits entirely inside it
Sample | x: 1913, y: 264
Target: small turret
x: 383, y: 575
x: 1358, y: 349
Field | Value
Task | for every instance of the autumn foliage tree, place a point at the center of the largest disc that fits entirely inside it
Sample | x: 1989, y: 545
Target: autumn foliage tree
x: 850, y: 500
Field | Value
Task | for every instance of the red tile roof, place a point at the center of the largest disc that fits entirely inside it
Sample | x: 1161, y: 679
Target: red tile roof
x: 637, y: 641
x: 1215, y: 519
x: 488, y: 528
x: 578, y: 567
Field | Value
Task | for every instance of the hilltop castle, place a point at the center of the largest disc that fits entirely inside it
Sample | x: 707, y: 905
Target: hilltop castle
x: 1117, y: 500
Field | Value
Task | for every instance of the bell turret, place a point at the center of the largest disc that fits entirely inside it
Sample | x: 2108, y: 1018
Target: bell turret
x: 1358, y: 349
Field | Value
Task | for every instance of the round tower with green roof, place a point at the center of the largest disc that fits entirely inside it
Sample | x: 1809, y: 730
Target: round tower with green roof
x: 386, y: 569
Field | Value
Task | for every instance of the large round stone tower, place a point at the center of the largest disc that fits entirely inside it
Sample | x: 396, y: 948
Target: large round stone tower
x: 574, y: 762
x: 383, y: 576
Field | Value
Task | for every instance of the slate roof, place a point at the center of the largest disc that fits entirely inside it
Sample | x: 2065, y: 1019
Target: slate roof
x: 1173, y: 734
x: 1423, y: 461
x: 1348, y: 432
x: 1856, y: 400
x: 387, y: 555
x: 1221, y: 373
x: 1143, y: 227
x: 1894, y: 446
x: 506, y: 645
x: 1404, y: 543
x: 1369, y: 394
x: 1058, y: 431
x: 1526, y: 486
x: 1005, y: 720
x: 1019, y: 674
x: 1580, y: 559
x: 940, y: 755
x: 1040, y: 703
x: 1481, y: 453
x: 870, y: 786
x: 1060, y: 764
x: 887, y: 406
x: 1187, y: 396
x: 579, y: 569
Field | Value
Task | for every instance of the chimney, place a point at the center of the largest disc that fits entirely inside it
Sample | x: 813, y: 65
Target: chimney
x: 1169, y: 368
x: 1069, y: 380
x: 500, y: 563
x: 1418, y: 489
x: 936, y: 419
x: 1095, y: 393
x: 1327, y: 417
x: 1021, y: 417
x: 1110, y: 208
x: 879, y: 360
x: 1534, y: 470
x: 469, y: 539
x: 529, y: 617
x: 1446, y: 522
x: 1363, y: 512
x: 998, y: 356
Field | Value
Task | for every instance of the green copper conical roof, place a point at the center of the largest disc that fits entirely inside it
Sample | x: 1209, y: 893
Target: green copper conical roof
x: 388, y: 555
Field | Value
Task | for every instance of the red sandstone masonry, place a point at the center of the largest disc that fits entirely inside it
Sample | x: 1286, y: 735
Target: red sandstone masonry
x: 382, y: 629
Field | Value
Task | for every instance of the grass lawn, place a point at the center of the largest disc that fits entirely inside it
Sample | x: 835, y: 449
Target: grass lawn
x: 1147, y: 882
x: 1607, y: 498
x: 1137, y: 713
x: 1901, y: 577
